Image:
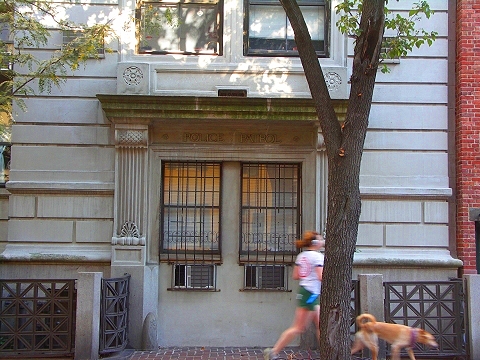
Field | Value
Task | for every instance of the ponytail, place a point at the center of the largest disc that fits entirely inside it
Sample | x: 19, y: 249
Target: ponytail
x: 307, y: 240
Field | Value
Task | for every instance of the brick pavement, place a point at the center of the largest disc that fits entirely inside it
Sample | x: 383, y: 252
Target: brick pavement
x: 204, y: 353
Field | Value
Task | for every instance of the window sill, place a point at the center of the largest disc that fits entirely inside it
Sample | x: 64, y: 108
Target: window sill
x: 265, y: 290
x: 191, y: 258
x: 261, y: 259
x: 193, y: 290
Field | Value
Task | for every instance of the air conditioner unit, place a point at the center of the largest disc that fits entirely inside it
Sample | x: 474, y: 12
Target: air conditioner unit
x: 265, y: 277
x: 194, y: 276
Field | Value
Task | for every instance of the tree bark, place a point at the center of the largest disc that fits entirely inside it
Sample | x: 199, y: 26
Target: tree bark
x: 344, y: 146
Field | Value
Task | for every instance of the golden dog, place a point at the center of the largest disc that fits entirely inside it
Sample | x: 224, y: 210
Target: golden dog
x: 399, y: 336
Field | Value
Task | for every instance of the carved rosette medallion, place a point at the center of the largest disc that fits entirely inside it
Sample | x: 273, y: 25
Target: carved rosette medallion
x: 333, y: 81
x: 133, y: 75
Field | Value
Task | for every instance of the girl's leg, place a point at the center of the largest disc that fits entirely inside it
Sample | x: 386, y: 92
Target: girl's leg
x: 316, y: 321
x: 302, y: 317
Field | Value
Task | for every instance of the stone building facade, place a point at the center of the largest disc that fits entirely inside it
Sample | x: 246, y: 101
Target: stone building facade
x: 192, y: 159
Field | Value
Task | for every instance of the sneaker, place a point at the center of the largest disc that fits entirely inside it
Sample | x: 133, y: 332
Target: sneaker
x: 269, y: 355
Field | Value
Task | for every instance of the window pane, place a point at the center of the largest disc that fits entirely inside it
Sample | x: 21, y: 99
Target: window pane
x: 315, y: 19
x: 194, y: 28
x: 191, y: 207
x: 270, y: 208
x: 189, y: 230
x: 199, y: 28
x: 267, y: 27
x: 269, y: 30
x: 270, y: 230
x: 4, y: 162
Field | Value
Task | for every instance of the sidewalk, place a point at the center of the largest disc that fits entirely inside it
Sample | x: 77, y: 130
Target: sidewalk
x: 210, y: 353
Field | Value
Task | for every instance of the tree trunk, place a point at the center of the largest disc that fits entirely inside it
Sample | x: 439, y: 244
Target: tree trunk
x: 344, y: 146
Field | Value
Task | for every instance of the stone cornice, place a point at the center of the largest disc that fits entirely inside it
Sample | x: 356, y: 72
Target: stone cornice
x: 142, y: 109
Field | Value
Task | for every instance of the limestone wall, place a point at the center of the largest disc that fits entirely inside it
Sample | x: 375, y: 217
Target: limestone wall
x: 66, y: 188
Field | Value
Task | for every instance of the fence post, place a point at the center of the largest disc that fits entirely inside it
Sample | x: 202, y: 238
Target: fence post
x: 371, y: 300
x: 472, y: 315
x: 87, y: 329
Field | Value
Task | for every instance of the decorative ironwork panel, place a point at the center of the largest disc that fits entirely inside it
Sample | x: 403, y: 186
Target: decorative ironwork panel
x: 37, y: 317
x: 354, y: 306
x: 437, y: 307
x: 114, y: 314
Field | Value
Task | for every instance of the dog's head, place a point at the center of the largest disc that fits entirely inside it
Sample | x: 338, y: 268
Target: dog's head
x: 426, y: 338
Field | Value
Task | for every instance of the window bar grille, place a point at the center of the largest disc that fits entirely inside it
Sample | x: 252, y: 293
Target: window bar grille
x: 265, y: 209
x: 270, y: 198
x: 191, y: 218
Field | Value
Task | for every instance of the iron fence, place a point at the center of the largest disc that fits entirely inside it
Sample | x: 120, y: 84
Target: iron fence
x: 437, y: 307
x: 37, y: 318
x: 114, y: 314
x: 354, y: 307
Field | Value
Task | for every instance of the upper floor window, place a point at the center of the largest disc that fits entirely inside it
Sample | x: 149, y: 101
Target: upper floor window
x: 74, y: 37
x: 4, y: 162
x: 180, y: 27
x: 268, y: 30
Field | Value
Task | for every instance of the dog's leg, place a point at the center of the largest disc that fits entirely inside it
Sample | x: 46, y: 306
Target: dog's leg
x: 395, y: 352
x: 357, y: 345
x: 410, y: 353
x: 370, y: 341
x: 374, y: 351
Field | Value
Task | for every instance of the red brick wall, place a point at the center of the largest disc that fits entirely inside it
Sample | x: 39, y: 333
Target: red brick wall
x: 467, y: 127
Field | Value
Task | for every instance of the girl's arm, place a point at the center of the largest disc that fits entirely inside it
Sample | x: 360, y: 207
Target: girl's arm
x: 295, y: 275
x: 319, y: 270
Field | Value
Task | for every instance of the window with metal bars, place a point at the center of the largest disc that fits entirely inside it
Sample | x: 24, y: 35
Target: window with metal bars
x: 270, y: 213
x: 190, y: 212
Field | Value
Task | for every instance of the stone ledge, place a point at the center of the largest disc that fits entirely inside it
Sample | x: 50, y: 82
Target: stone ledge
x: 366, y: 191
x: 406, y: 258
x: 55, y: 254
x: 17, y: 186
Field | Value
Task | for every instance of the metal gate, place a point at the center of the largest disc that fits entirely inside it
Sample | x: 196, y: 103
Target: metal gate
x: 354, y: 307
x: 436, y: 306
x: 114, y: 314
x: 37, y: 318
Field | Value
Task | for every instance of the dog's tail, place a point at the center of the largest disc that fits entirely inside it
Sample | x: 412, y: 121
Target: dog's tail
x: 365, y: 318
